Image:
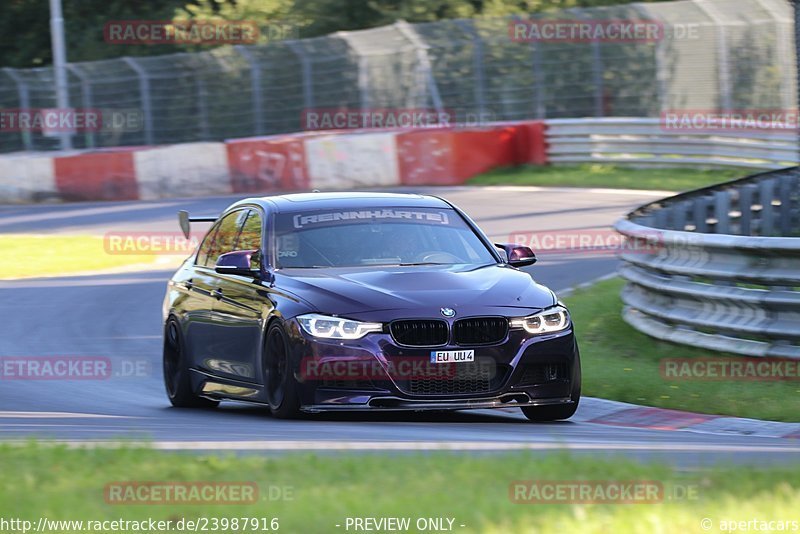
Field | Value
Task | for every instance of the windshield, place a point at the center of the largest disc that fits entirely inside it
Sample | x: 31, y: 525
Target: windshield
x: 376, y: 236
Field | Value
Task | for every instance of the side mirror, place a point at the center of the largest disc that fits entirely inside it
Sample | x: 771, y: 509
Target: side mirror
x: 518, y: 255
x: 238, y: 262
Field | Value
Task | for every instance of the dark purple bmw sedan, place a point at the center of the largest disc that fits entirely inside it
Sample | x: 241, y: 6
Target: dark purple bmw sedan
x: 364, y: 301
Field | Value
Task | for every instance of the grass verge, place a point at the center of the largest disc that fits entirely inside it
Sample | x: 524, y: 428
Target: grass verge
x: 596, y: 175
x: 26, y: 256
x: 62, y: 484
x: 620, y: 363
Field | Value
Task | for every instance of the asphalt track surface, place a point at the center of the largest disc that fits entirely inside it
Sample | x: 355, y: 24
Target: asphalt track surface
x: 119, y: 316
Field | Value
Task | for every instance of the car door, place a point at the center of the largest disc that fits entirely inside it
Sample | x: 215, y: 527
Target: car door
x: 195, y: 306
x: 203, y: 333
x: 238, y: 309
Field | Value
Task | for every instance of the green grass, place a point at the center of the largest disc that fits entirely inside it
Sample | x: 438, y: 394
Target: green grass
x: 596, y: 175
x: 26, y: 256
x: 622, y: 364
x: 64, y: 484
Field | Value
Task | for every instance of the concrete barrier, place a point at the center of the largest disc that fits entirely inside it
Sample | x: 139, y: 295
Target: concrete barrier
x: 96, y: 176
x: 341, y: 159
x: 352, y: 160
x: 184, y: 170
x: 27, y: 178
x: 264, y: 164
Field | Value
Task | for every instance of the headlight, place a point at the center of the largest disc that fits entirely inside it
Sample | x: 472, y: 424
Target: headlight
x: 336, y: 327
x: 554, y: 319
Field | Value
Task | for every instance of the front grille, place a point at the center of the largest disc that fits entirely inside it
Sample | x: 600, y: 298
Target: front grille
x: 543, y: 373
x: 419, y: 332
x: 480, y: 330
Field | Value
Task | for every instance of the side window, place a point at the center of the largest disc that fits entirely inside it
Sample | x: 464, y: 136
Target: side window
x: 250, y: 236
x: 223, y: 240
x: 205, y: 247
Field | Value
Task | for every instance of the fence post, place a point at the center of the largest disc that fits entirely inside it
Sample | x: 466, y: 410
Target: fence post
x: 597, y: 76
x: 538, y: 81
x: 144, y: 93
x: 202, y: 107
x: 305, y: 63
x: 797, y: 59
x: 86, y: 100
x: 363, y: 71
x: 255, y: 88
x: 423, y: 60
x: 783, y: 49
x: 24, y: 103
x: 722, y: 52
x: 477, y: 66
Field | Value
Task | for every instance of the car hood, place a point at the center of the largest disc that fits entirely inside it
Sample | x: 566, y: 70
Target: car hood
x: 391, y: 292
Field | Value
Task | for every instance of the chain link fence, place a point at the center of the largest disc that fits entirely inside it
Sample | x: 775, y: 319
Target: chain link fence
x: 713, y: 55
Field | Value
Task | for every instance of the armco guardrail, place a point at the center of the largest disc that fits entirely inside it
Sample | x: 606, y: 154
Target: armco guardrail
x: 719, y: 268
x: 647, y: 141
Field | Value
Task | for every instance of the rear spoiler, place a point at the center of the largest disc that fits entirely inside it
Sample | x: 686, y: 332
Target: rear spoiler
x: 185, y: 221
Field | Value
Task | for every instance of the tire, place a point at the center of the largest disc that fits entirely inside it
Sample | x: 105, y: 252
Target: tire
x: 279, y: 381
x: 558, y: 412
x: 177, y: 381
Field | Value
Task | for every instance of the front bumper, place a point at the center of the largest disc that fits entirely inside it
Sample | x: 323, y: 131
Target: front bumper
x: 513, y: 385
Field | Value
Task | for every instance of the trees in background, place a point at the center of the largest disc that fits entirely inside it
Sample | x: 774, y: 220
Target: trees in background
x: 25, y: 24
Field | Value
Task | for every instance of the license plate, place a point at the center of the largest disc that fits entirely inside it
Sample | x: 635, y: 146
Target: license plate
x: 452, y: 356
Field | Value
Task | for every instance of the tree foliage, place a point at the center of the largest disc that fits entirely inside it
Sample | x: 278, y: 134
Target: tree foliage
x: 25, y: 24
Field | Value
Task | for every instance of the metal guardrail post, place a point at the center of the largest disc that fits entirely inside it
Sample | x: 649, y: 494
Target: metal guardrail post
x: 24, y: 103
x: 144, y: 94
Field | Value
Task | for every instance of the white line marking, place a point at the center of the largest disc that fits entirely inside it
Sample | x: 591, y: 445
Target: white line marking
x: 81, y: 211
x: 405, y: 446
x: 590, y: 190
x: 56, y: 415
